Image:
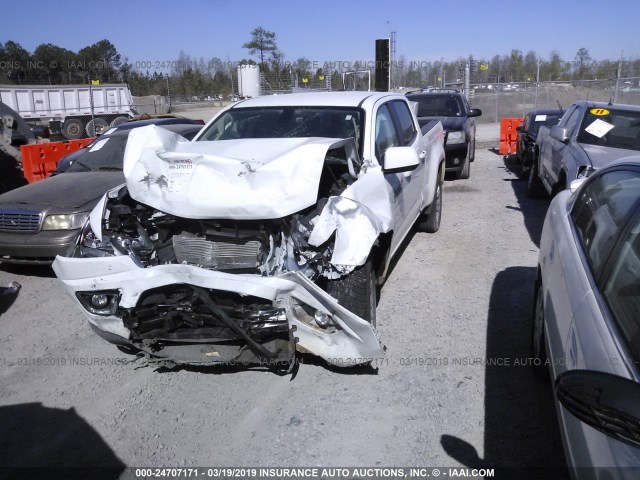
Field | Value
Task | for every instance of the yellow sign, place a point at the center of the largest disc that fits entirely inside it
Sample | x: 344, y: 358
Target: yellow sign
x: 484, y: 66
x: 95, y: 82
x: 599, y: 111
x: 321, y: 77
x: 305, y: 80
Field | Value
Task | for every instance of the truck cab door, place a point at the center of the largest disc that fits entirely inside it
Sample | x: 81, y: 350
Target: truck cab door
x: 405, y: 187
x: 559, y: 151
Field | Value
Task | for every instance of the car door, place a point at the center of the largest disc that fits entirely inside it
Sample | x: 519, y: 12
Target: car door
x: 414, y: 180
x: 559, y: 151
x: 605, y: 329
x: 469, y: 125
x: 385, y: 137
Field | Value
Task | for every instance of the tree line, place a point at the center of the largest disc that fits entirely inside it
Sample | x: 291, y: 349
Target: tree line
x: 50, y: 64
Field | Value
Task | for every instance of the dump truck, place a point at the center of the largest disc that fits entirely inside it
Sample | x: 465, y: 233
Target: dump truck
x: 75, y: 111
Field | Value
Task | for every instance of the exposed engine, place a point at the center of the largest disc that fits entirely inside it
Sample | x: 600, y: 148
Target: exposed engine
x: 187, y: 323
x: 267, y: 247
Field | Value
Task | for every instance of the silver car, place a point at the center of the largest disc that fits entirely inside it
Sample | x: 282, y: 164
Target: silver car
x: 586, y: 325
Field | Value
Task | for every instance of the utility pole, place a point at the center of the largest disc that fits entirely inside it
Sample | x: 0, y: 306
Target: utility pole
x: 618, y: 74
x: 537, y: 83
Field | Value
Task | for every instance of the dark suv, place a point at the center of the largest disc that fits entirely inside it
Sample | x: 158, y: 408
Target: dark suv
x: 452, y: 109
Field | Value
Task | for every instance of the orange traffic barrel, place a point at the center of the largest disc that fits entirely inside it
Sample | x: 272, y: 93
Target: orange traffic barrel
x: 509, y: 135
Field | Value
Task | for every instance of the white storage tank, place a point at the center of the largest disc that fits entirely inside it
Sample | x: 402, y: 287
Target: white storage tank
x: 248, y: 80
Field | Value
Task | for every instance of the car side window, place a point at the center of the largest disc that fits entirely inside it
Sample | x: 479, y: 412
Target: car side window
x: 385, y: 132
x: 406, y: 128
x: 572, y: 121
x: 622, y: 289
x: 601, y: 211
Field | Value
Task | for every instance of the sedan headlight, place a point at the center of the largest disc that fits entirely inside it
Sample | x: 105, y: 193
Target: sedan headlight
x: 455, y: 137
x: 65, y: 222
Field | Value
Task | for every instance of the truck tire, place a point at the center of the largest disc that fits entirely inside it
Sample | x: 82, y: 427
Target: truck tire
x: 357, y: 292
x: 429, y: 220
x: 72, y: 129
x: 535, y: 189
x: 465, y: 173
x: 119, y: 121
x: 96, y: 127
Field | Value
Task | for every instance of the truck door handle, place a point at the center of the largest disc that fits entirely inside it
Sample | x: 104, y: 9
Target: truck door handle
x: 423, y: 154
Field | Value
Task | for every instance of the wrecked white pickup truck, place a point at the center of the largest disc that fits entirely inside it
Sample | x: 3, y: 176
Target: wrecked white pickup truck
x: 265, y: 235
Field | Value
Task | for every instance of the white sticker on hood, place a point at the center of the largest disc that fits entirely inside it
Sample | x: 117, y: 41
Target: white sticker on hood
x: 180, y: 171
x: 599, y: 128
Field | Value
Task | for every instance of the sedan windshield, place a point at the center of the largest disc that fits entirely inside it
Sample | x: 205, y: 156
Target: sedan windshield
x: 104, y: 154
x: 611, y: 128
x: 287, y: 122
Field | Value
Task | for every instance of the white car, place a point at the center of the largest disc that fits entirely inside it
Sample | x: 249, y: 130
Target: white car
x: 586, y: 325
x: 265, y: 235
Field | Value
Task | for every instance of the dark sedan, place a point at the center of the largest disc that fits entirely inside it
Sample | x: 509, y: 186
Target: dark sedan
x: 41, y: 220
x: 526, y: 149
x: 67, y: 160
x: 452, y: 109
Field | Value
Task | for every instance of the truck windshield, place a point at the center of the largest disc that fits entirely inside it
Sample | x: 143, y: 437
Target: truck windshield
x: 548, y: 120
x: 437, y: 105
x: 287, y: 122
x: 611, y: 128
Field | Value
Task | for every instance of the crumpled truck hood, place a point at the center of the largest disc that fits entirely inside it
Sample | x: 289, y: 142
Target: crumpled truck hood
x: 601, y: 156
x: 248, y: 179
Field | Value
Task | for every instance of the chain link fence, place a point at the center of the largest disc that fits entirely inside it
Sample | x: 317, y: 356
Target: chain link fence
x: 276, y: 83
x: 516, y: 99
x: 496, y: 100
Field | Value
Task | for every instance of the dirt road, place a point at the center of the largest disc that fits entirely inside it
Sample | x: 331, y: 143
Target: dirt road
x: 452, y: 390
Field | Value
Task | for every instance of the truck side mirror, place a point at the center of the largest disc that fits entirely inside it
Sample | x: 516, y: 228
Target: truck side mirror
x: 400, y: 159
x: 559, y: 133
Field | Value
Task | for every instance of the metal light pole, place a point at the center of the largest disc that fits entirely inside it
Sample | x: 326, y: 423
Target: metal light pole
x: 537, y: 83
x: 615, y: 95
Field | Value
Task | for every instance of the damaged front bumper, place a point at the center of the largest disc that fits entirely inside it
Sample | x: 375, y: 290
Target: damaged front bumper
x: 215, y: 317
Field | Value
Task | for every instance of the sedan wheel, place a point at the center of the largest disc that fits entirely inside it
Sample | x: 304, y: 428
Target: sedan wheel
x: 538, y: 350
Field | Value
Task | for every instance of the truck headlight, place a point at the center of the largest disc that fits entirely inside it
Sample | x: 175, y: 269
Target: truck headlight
x: 455, y: 137
x: 71, y: 221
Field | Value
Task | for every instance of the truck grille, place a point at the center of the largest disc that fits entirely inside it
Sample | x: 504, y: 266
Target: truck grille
x: 219, y: 253
x: 19, y: 220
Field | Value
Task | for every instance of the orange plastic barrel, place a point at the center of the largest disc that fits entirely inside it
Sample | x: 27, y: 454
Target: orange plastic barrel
x: 509, y: 135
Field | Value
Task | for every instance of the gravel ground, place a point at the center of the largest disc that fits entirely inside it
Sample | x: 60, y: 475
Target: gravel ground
x: 454, y: 300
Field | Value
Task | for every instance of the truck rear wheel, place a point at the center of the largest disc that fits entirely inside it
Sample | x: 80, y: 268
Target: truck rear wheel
x: 96, y: 126
x: 357, y: 292
x: 119, y: 121
x: 72, y: 129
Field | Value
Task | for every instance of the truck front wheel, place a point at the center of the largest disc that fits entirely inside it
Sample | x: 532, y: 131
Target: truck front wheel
x: 429, y: 220
x: 357, y: 292
x: 72, y: 129
x: 465, y: 172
